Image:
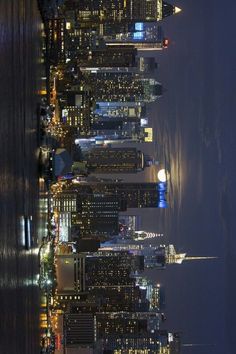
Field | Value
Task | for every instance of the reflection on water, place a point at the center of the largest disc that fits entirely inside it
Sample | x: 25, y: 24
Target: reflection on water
x: 20, y: 43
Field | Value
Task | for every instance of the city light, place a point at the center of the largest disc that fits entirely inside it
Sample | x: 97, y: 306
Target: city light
x: 98, y: 97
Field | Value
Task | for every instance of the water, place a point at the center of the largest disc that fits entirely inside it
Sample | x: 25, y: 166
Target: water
x: 19, y: 72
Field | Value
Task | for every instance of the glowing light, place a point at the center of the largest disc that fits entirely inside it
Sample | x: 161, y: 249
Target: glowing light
x: 163, y: 175
x: 177, y: 9
x: 166, y: 42
x: 68, y: 25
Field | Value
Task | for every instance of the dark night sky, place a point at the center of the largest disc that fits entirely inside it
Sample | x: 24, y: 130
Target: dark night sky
x: 195, y: 125
x: 195, y: 129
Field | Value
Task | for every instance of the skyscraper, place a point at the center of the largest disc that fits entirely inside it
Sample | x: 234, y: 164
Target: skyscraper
x: 114, y: 160
x: 55, y: 29
x: 137, y: 195
x: 111, y: 268
x: 123, y: 87
x: 108, y: 57
x: 76, y: 108
x: 120, y: 109
x: 79, y: 330
x: 123, y: 11
x: 97, y: 215
x: 141, y: 35
x: 154, y: 256
x: 131, y: 195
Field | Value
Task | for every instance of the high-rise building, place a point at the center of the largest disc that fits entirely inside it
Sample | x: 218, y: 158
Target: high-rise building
x: 130, y: 195
x: 120, y: 109
x: 137, y: 195
x: 114, y: 160
x: 133, y: 132
x: 101, y: 282
x: 77, y: 109
x: 109, y: 57
x: 97, y: 215
x: 130, y: 332
x: 154, y: 256
x: 109, y: 268
x: 120, y: 325
x: 119, y: 298
x: 71, y: 276
x: 119, y: 129
x: 123, y: 11
x: 66, y: 202
x: 123, y: 87
x: 79, y: 330
x: 141, y: 35
x: 55, y: 29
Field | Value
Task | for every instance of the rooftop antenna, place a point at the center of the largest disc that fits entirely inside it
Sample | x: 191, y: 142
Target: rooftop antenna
x: 198, y: 345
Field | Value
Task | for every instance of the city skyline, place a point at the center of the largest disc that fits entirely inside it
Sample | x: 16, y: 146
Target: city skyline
x: 117, y: 183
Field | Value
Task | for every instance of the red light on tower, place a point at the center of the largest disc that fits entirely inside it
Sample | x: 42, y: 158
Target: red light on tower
x: 165, y: 43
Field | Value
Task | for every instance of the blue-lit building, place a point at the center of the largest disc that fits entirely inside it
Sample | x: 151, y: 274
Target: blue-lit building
x: 141, y: 35
x: 136, y: 195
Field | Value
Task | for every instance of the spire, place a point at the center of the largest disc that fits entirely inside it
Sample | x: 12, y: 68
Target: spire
x: 198, y: 258
x: 197, y: 345
x: 168, y: 9
x: 143, y: 235
x: 177, y: 9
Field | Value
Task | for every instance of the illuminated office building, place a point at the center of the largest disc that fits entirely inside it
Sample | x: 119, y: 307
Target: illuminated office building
x: 66, y: 202
x: 120, y: 325
x: 110, y: 268
x: 110, y: 57
x: 123, y: 11
x: 131, y: 333
x: 120, y: 109
x: 111, y: 128
x: 154, y: 256
x: 137, y: 195
x: 117, y: 298
x: 79, y: 330
x: 77, y: 109
x: 97, y: 215
x: 132, y: 133
x: 123, y: 87
x: 133, y: 195
x: 55, y: 45
x: 141, y: 35
x: 71, y: 276
x: 154, y: 293
x: 114, y: 160
x: 109, y: 287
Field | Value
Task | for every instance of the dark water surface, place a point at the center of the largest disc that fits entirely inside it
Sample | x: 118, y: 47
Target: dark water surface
x: 19, y: 72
